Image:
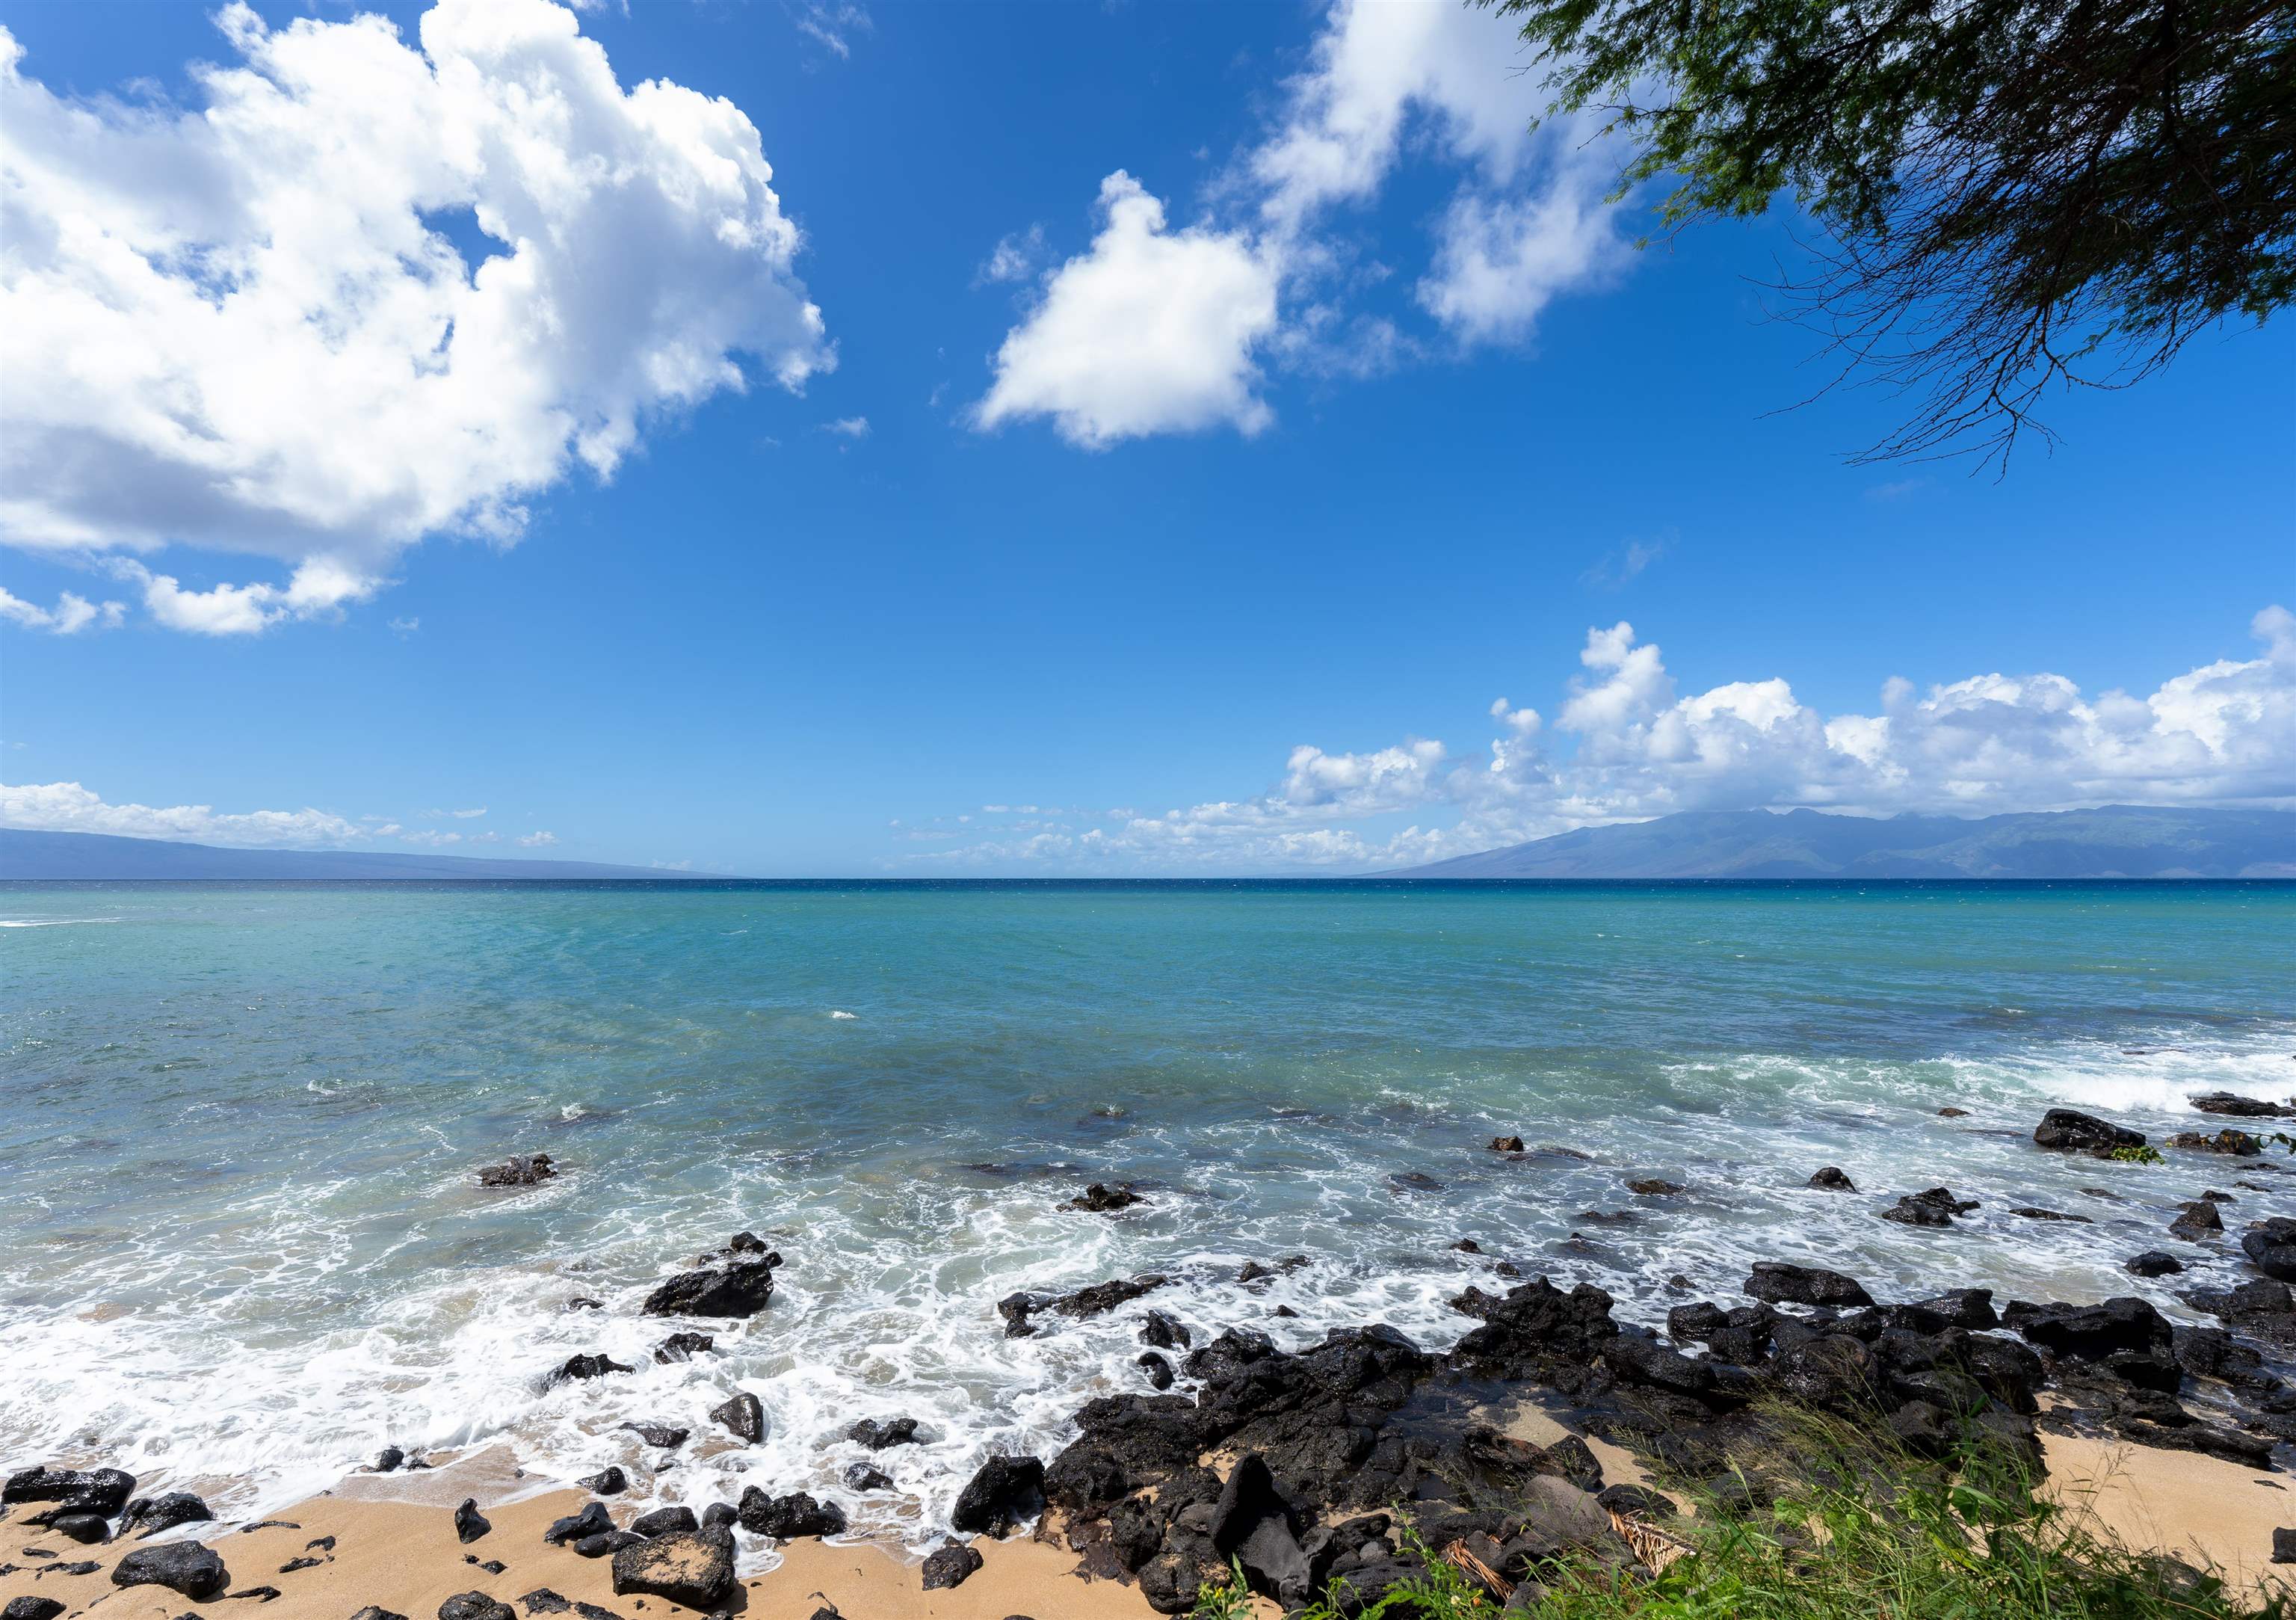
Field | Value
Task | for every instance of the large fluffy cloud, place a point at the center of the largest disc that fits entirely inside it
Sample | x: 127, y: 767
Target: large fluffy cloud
x: 1626, y: 746
x: 1152, y: 331
x: 252, y: 327
x: 1115, y: 348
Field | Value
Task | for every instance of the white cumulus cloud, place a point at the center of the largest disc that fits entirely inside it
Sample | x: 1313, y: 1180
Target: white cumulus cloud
x: 1152, y: 331
x: 1626, y: 746
x: 1136, y: 337
x: 67, y: 806
x: 251, y: 327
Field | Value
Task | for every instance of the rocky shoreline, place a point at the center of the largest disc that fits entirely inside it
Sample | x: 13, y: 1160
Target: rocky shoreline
x: 1337, y: 1459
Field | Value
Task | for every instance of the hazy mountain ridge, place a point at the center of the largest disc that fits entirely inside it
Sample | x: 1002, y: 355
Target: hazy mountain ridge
x: 2115, y: 841
x: 98, y: 856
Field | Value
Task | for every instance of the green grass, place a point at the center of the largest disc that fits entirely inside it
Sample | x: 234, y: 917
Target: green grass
x: 1855, y: 1531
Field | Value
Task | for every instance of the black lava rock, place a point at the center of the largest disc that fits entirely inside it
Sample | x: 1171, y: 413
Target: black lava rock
x: 152, y: 1514
x: 738, y: 1288
x: 1832, y: 1179
x: 1006, y: 1492
x: 2068, y: 1130
x: 876, y: 1434
x: 185, y: 1566
x: 522, y: 1170
x: 469, y: 1524
x: 785, y: 1518
x: 665, y: 1521
x: 744, y: 1415
x: 694, y: 1568
x: 585, y: 1367
x: 2154, y: 1262
x: 591, y: 1520
x: 1781, y: 1284
x: 952, y: 1565
x: 474, y: 1606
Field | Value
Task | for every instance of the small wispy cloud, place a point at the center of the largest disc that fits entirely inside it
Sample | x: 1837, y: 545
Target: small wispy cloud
x: 1015, y: 258
x: 833, y: 26
x: 71, y: 614
x: 469, y: 815
x: 1898, y: 490
x: 1614, y: 568
x: 538, y: 840
x: 848, y: 427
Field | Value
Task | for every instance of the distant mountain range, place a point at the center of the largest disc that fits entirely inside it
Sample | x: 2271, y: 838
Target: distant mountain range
x: 99, y: 855
x: 2117, y: 841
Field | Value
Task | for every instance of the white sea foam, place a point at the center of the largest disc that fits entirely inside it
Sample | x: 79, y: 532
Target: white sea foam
x: 887, y: 1302
x: 839, y: 1013
x: 51, y: 922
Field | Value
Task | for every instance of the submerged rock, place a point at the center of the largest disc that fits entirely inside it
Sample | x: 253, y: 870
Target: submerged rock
x: 669, y: 1436
x: 737, y: 1288
x: 1101, y: 1199
x: 2069, y: 1130
x: 2197, y: 1221
x: 574, y: 1367
x: 1934, y: 1208
x: 1832, y: 1179
x: 2270, y: 1246
x: 522, y: 1170
x: 683, y: 1346
x: 863, y: 1476
x: 608, y: 1481
x: 745, y: 1416
x: 1506, y: 1143
x: 2154, y: 1262
x: 2239, y: 1108
x: 2239, y: 1144
x: 2035, y: 1212
x: 876, y: 1434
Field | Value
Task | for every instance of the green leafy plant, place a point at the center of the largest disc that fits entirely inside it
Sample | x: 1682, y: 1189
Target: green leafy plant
x: 1855, y: 1528
x: 2136, y: 1156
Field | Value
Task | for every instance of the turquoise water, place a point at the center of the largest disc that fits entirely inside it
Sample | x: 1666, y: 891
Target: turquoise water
x: 241, y: 1123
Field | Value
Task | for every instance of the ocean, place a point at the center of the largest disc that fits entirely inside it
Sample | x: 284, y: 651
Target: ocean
x: 240, y: 1125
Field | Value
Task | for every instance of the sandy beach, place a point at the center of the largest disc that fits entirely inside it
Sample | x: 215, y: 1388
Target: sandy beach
x: 390, y: 1541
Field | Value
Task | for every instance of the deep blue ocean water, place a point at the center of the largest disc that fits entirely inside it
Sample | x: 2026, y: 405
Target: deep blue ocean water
x: 239, y: 1125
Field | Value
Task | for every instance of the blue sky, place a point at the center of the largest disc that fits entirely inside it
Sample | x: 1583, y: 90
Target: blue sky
x: 1286, y: 469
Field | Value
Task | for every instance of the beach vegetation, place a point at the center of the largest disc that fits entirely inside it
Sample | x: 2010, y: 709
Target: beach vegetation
x: 1834, y: 1523
x: 2147, y: 1154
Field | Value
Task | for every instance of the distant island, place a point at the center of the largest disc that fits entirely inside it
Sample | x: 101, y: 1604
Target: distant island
x: 2116, y: 841
x: 91, y: 857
